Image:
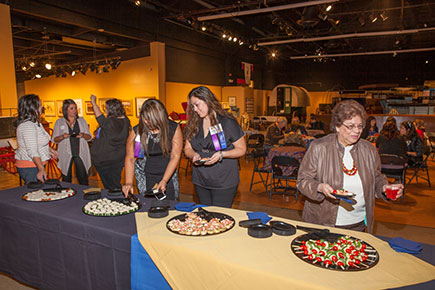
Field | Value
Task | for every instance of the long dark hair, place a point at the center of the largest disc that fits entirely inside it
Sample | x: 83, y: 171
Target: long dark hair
x: 65, y: 105
x: 28, y: 109
x: 114, y: 108
x: 390, y: 131
x: 193, y: 123
x: 154, y: 112
x: 411, y: 132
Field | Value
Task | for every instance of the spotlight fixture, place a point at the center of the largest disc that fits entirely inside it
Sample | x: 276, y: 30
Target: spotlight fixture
x: 32, y: 63
x: 48, y: 66
x: 273, y: 54
x: 38, y: 76
x: 106, y: 68
x: 203, y: 28
x: 230, y: 38
x: 83, y: 69
x: 235, y: 39
x: 137, y: 2
x: 240, y: 42
x: 373, y: 18
x: 24, y: 68
x: 73, y: 73
x: 328, y: 8
x: 337, y: 21
x: 426, y: 62
x: 224, y: 35
x: 362, y: 20
x: 115, y: 64
x: 383, y: 16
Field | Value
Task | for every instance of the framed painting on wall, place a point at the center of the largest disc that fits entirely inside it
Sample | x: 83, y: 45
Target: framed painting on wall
x: 102, y: 104
x: 59, y: 108
x: 139, y: 102
x: 89, y: 109
x: 128, y: 107
x: 50, y: 108
x: 79, y: 106
x: 232, y: 101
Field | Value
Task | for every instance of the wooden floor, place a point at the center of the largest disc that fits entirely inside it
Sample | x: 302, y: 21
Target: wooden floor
x: 412, y: 218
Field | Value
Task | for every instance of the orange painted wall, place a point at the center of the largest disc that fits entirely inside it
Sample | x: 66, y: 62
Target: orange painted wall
x: 133, y: 78
x: 176, y: 93
x: 320, y: 98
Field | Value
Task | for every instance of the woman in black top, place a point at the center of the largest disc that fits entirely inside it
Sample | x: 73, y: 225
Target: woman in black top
x: 414, y: 143
x: 390, y: 141
x: 108, y: 148
x: 214, y: 141
x: 161, y: 141
x: 370, y: 128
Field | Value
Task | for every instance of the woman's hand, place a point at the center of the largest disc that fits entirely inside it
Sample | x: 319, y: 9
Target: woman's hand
x: 80, y: 135
x: 127, y: 188
x: 399, y: 186
x: 41, y: 175
x: 53, y: 153
x: 326, y: 189
x: 213, y: 159
x: 196, y: 157
x: 162, y: 186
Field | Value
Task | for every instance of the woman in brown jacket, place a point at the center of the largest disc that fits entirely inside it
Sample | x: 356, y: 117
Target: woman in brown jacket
x: 342, y: 160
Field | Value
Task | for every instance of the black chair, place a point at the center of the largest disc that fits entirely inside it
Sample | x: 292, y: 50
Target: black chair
x: 431, y: 143
x: 277, y: 176
x: 259, y: 155
x: 420, y: 165
x: 254, y: 141
x: 188, y: 164
x: 394, y: 166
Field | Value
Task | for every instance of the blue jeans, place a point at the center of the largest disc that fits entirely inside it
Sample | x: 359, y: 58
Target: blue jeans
x: 28, y: 173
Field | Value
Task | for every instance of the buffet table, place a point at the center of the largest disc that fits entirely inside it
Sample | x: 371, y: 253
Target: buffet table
x: 53, y: 245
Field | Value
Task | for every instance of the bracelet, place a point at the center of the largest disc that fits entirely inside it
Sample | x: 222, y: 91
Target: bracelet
x: 221, y: 156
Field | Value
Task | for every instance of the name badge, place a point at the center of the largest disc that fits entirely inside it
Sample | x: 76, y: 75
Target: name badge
x: 139, y: 151
x: 218, y: 137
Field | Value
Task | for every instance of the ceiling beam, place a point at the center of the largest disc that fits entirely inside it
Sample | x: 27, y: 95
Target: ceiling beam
x: 351, y: 35
x: 265, y: 10
x: 364, y: 53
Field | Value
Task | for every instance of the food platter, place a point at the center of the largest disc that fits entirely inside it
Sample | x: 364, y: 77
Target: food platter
x: 198, y: 224
x: 105, y: 207
x: 342, y: 193
x: 49, y: 194
x: 346, y: 253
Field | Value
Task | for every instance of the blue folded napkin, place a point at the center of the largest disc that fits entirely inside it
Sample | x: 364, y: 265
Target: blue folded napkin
x: 405, y: 246
x: 259, y: 215
x: 187, y: 206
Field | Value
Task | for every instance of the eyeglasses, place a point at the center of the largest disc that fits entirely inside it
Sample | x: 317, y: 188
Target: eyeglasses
x: 352, y: 127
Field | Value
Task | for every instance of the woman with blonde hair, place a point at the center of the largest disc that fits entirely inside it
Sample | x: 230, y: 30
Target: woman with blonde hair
x: 160, y: 141
x: 214, y: 141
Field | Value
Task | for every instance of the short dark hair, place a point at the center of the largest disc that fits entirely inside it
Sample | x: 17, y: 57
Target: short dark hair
x: 66, y: 103
x: 114, y: 108
x: 346, y: 110
x: 28, y: 108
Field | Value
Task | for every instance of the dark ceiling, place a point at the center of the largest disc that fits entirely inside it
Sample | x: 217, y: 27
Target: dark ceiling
x: 75, y: 34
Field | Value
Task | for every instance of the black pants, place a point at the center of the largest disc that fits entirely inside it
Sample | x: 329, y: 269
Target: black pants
x: 110, y: 175
x: 81, y: 172
x: 217, y: 197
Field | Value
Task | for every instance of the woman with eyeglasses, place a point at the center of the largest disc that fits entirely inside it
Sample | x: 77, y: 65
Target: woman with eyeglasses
x: 159, y: 140
x: 342, y: 161
x: 414, y: 143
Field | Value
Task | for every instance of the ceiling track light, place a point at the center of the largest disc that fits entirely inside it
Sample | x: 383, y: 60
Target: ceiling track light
x: 137, y: 2
x: 328, y: 8
x: 373, y: 17
x: 48, y: 66
x: 384, y: 16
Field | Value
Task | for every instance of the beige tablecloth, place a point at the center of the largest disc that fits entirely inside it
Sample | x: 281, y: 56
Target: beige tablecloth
x: 234, y: 260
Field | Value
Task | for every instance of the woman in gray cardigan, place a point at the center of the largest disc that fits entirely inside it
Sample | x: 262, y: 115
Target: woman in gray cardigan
x: 72, y: 134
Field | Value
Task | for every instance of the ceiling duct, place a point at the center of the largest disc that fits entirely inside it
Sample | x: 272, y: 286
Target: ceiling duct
x: 309, y: 17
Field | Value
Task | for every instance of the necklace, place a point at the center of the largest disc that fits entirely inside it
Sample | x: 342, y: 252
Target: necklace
x: 156, y: 139
x: 350, y: 172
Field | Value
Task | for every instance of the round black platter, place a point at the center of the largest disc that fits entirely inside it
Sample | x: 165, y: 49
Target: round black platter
x: 369, y: 263
x: 221, y: 216
x: 54, y: 189
x: 115, y: 200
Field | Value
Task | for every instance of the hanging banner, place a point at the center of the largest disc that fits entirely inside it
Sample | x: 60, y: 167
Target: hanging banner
x: 247, y: 68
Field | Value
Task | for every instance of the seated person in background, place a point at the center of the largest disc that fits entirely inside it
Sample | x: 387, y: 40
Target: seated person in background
x: 370, y: 128
x: 390, y: 141
x: 293, y: 137
x: 419, y: 127
x: 414, y: 143
x: 315, y: 124
x: 296, y: 126
x: 275, y: 132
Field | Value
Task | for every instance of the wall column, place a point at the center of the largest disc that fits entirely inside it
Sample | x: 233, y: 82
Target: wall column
x: 8, y: 88
x: 157, y: 50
